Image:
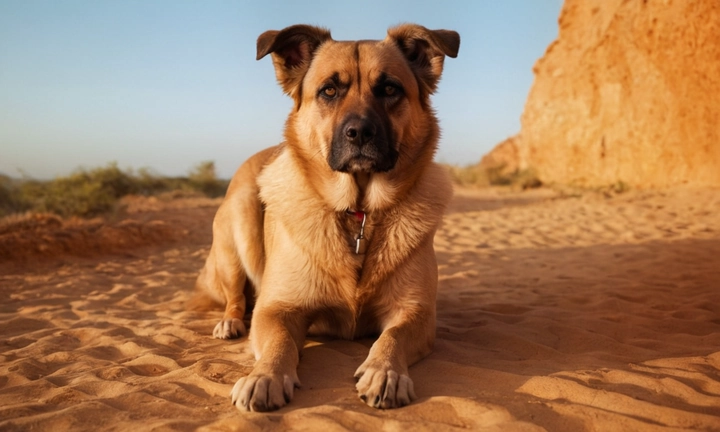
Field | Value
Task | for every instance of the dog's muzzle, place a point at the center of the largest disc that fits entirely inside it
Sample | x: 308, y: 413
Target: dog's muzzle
x: 362, y: 143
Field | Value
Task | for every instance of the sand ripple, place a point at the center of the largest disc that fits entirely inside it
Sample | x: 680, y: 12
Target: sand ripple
x: 554, y: 313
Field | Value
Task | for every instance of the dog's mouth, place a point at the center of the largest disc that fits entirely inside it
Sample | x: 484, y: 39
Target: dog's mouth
x: 365, y: 160
x: 360, y: 164
x: 362, y: 144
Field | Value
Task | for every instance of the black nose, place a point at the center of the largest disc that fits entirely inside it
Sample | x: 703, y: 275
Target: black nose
x: 359, y: 130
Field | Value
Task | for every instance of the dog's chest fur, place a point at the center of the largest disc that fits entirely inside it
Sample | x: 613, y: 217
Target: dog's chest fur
x: 322, y: 275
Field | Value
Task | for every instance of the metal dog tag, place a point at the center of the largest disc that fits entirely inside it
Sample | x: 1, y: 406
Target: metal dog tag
x: 360, y: 246
x: 360, y: 241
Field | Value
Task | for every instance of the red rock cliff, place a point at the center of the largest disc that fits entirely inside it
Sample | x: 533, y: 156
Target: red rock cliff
x: 629, y: 92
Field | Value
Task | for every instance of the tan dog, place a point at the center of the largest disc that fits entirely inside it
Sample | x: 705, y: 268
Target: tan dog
x: 334, y: 227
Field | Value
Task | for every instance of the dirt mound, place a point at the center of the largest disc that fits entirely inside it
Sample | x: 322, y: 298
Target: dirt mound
x: 42, y: 235
x: 141, y: 221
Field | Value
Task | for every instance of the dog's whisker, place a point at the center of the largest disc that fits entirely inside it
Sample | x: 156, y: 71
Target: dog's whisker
x: 319, y: 152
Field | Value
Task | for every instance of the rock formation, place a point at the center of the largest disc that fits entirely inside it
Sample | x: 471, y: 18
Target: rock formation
x: 503, y: 158
x: 630, y: 91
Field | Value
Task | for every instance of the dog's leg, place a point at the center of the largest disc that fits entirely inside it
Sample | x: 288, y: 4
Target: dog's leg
x: 237, y: 252
x: 223, y: 277
x: 231, y: 325
x: 277, y: 338
x: 383, y: 380
x: 408, y: 332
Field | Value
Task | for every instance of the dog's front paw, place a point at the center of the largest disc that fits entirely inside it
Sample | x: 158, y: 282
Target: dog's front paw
x: 381, y: 387
x: 261, y: 392
x: 229, y: 329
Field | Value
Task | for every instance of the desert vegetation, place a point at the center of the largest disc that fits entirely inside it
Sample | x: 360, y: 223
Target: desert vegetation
x: 91, y: 192
x: 479, y: 175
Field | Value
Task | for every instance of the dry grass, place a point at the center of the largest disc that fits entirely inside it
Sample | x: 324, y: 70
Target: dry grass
x: 478, y: 176
x: 87, y: 193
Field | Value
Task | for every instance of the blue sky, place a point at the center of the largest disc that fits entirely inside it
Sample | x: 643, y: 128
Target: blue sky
x: 166, y: 84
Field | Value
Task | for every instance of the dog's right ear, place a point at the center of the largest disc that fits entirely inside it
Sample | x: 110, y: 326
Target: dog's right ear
x: 292, y: 49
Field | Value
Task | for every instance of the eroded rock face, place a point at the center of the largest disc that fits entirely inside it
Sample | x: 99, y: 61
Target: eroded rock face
x: 629, y: 92
x: 503, y: 158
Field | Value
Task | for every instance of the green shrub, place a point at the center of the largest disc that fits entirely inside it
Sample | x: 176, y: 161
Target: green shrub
x: 83, y: 193
x: 471, y: 175
x: 475, y: 175
x: 204, y: 178
x: 10, y: 197
x: 88, y: 193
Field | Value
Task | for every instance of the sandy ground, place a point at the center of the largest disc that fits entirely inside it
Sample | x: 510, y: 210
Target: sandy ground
x: 557, y: 313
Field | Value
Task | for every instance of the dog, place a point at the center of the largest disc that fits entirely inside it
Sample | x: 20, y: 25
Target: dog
x: 331, y: 232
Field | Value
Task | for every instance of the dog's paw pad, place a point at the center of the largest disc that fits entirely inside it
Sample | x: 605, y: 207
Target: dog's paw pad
x: 382, y: 388
x: 262, y: 393
x: 229, y: 329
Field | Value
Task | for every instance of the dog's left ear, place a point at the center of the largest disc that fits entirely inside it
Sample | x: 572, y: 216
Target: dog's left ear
x: 292, y: 49
x: 425, y: 50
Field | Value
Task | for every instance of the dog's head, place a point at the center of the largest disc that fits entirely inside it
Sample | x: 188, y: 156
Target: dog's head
x: 360, y: 106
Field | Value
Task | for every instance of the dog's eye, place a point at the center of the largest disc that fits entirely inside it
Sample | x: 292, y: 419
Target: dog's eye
x: 329, y: 92
x: 390, y: 90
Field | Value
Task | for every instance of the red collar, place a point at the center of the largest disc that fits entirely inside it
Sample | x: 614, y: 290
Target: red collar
x: 359, y: 214
x: 360, y: 241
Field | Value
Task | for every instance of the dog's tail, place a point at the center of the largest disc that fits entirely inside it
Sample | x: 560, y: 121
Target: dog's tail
x: 202, y: 301
x: 202, y: 298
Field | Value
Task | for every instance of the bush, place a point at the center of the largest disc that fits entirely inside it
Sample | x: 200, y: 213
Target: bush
x: 204, y: 178
x: 475, y: 175
x: 83, y: 193
x: 10, y: 197
x: 471, y: 175
x: 88, y: 193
